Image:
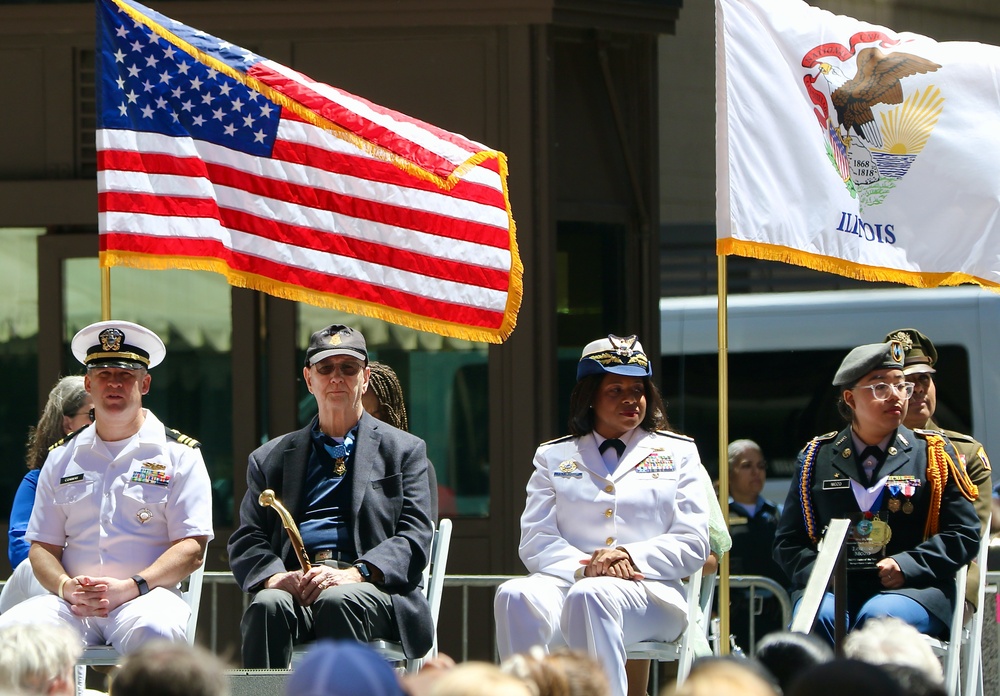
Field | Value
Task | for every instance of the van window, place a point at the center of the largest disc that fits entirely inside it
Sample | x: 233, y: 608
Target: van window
x: 782, y: 399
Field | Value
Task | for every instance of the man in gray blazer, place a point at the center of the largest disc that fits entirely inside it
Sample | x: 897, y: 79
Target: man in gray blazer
x: 358, y: 491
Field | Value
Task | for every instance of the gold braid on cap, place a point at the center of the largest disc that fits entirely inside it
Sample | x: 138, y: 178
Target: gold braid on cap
x: 937, y: 478
x: 611, y: 357
x: 91, y: 357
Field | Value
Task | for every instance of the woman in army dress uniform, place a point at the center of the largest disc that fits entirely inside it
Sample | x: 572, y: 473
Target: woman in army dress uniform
x: 616, y: 515
x: 913, y: 525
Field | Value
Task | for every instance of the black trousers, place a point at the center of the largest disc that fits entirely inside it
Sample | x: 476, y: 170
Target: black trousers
x: 275, y: 622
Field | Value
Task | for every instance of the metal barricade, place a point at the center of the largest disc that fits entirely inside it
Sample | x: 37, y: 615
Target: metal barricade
x: 220, y: 581
x: 756, y: 583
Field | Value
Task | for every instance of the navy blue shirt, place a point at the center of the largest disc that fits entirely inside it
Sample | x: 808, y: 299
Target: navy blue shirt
x: 325, y: 524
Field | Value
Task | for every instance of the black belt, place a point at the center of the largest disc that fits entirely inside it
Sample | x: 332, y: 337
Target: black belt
x: 324, y: 555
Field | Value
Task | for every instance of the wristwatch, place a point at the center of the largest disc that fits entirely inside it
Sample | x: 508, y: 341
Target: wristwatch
x: 140, y: 582
x: 366, y: 574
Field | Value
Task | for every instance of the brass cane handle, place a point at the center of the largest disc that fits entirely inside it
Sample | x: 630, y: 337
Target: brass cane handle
x: 267, y: 499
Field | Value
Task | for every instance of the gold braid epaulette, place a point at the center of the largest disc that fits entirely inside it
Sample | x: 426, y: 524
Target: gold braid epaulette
x: 805, y: 487
x: 965, y: 484
x: 937, y: 477
x: 181, y: 437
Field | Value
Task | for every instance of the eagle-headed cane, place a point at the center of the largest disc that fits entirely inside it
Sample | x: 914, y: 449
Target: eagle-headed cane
x: 267, y: 499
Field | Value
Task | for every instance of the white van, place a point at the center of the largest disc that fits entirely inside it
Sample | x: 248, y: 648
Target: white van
x: 784, y: 349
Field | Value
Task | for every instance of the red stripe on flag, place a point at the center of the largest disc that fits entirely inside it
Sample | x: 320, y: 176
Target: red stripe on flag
x: 293, y: 235
x: 310, y: 280
x: 311, y: 197
x: 384, y: 172
x: 301, y: 91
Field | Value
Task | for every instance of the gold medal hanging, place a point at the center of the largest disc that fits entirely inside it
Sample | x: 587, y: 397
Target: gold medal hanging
x: 339, y: 467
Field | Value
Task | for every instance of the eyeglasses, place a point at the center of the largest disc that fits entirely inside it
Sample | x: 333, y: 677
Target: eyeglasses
x: 87, y: 412
x: 347, y: 369
x: 883, y: 391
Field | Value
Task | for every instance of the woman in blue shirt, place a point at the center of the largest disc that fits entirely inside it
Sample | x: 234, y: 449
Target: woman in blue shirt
x: 67, y: 410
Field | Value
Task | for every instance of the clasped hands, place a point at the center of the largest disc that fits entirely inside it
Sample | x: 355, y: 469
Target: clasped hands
x: 615, y: 563
x: 89, y: 597
x: 307, y: 586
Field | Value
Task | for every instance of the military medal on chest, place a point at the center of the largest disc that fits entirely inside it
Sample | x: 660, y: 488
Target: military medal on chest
x: 908, y: 489
x: 894, y: 489
x: 339, y: 454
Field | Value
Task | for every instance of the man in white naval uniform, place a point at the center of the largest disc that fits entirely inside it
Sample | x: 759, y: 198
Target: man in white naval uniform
x: 123, y: 508
x: 607, y: 536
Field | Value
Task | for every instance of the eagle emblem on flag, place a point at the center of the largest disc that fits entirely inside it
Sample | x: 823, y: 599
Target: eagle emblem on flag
x: 873, y: 131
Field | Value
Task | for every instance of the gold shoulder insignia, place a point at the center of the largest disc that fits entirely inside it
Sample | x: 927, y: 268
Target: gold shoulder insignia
x: 181, y: 438
x: 674, y: 435
x: 63, y: 440
x: 564, y: 438
x: 826, y: 436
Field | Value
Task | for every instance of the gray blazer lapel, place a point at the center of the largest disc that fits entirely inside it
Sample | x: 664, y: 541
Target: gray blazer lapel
x: 365, y: 453
x: 294, y: 461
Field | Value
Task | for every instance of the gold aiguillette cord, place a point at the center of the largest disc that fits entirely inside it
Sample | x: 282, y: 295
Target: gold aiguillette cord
x: 267, y: 499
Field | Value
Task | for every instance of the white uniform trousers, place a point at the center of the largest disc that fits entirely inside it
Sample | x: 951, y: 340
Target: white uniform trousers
x: 597, y: 616
x: 21, y: 585
x: 160, y: 614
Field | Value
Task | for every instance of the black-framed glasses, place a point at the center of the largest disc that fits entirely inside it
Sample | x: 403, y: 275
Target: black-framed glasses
x: 883, y: 391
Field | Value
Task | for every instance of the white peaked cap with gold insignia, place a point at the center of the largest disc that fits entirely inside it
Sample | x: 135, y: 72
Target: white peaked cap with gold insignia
x: 121, y: 344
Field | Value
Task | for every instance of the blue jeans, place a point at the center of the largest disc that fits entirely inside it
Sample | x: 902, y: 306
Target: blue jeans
x: 883, y: 604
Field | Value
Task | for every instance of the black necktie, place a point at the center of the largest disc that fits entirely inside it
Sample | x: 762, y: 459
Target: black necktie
x: 613, y: 442
x: 871, y: 451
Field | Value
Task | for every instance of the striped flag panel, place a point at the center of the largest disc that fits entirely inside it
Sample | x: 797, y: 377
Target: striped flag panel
x: 211, y: 157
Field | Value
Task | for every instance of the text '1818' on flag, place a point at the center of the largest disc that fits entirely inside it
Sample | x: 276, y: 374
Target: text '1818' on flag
x: 211, y: 157
x: 847, y: 147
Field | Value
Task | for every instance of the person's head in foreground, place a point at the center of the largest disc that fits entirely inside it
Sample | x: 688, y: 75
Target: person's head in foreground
x: 560, y: 673
x: 478, y: 679
x: 39, y: 659
x: 889, y: 640
x: 163, y: 668
x: 785, y: 654
x: 724, y: 676
x: 342, y: 668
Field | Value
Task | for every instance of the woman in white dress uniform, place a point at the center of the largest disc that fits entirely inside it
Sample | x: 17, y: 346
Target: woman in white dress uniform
x: 606, y: 535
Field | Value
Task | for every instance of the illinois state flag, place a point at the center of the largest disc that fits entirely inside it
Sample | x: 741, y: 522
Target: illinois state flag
x: 212, y: 157
x: 847, y: 147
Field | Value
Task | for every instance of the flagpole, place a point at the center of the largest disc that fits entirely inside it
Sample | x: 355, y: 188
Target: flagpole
x: 105, y: 294
x: 723, y: 451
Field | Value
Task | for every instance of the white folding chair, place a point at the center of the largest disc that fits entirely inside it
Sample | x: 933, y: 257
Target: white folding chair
x: 962, y: 652
x: 972, y: 657
x: 699, y: 610
x: 433, y: 589
x: 97, y: 655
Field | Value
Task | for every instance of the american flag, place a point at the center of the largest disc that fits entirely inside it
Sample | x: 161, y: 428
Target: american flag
x: 212, y: 157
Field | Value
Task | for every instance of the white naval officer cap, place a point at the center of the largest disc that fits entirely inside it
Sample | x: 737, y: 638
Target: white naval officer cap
x: 621, y: 356
x: 121, y: 344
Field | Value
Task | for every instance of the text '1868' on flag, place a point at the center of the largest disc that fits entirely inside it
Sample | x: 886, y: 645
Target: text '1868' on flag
x: 211, y: 157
